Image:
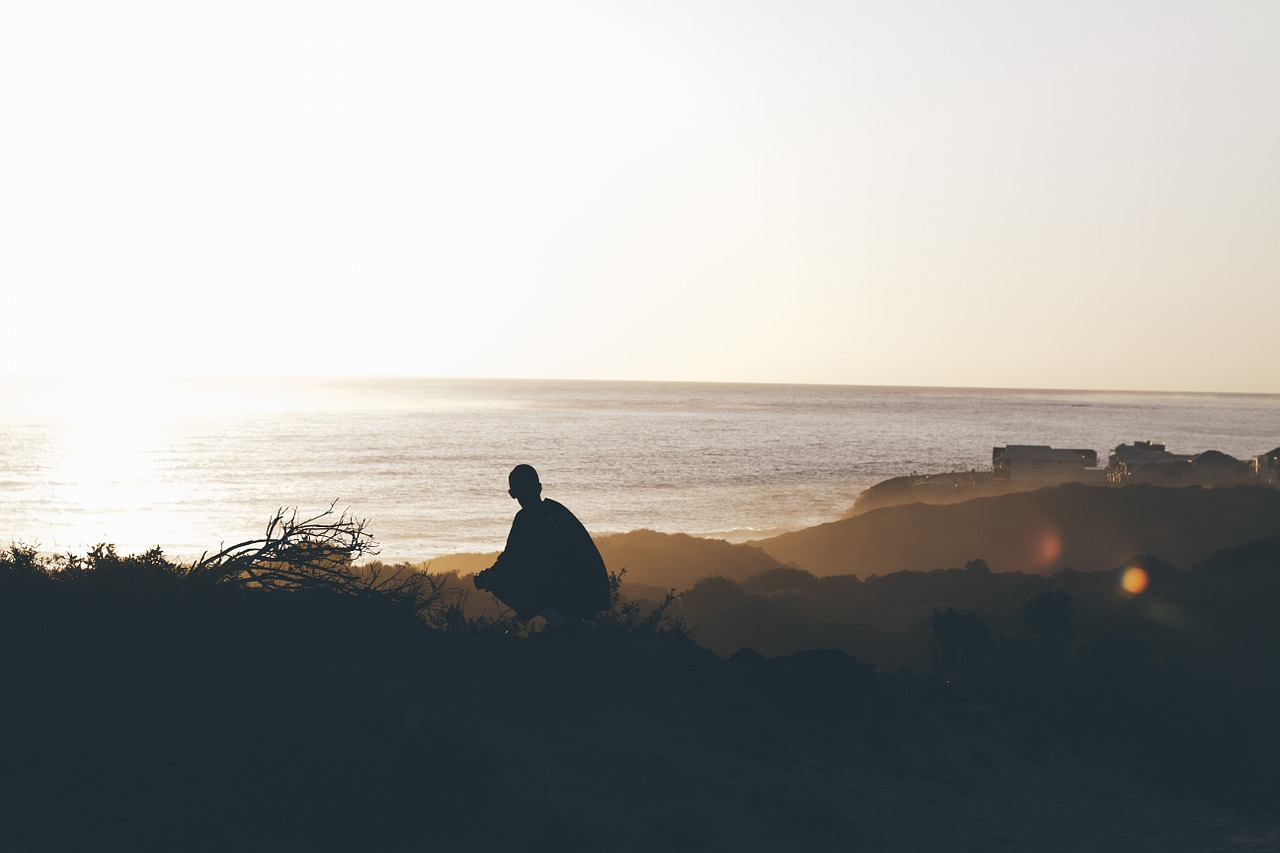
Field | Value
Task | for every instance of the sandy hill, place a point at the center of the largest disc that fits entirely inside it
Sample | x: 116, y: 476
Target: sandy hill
x: 675, y: 559
x: 660, y: 560
x: 1084, y: 527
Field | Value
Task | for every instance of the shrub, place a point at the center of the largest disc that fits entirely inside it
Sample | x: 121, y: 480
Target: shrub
x: 959, y: 652
x: 628, y: 618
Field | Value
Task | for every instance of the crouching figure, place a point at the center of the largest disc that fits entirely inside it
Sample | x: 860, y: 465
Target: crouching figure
x: 550, y: 567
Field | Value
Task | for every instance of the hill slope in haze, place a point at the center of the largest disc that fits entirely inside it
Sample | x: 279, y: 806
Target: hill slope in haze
x: 1042, y: 531
x: 663, y: 560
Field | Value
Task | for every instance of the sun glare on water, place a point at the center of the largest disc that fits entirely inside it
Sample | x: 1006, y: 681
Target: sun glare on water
x: 114, y: 460
x: 107, y: 462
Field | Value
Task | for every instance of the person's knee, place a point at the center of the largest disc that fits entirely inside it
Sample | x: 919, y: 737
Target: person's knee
x: 554, y: 618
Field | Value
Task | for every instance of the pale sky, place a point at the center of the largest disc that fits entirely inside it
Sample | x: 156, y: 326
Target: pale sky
x: 1014, y: 194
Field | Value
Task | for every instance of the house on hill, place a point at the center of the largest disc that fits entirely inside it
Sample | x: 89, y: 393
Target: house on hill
x: 1148, y: 462
x: 1266, y: 468
x: 1215, y: 468
x: 1041, y: 463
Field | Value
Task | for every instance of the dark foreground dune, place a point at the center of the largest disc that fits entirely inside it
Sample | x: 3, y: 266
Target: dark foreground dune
x: 1083, y: 527
x: 145, y: 709
x: 394, y: 740
x: 147, y: 706
x: 641, y: 745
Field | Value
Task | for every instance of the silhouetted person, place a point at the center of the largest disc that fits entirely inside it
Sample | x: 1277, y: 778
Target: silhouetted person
x: 550, y: 567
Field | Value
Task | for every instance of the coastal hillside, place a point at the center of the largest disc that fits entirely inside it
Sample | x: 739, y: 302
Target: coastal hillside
x: 666, y: 559
x: 1042, y: 531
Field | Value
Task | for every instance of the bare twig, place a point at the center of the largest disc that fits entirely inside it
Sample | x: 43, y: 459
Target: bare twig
x: 316, y: 552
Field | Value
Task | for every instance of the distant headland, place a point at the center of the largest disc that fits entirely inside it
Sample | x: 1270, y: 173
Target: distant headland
x: 1023, y: 467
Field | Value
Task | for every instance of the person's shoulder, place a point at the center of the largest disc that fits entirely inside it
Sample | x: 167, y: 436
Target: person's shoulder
x: 557, y: 507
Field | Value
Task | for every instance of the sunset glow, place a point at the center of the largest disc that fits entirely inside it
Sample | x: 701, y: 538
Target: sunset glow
x: 746, y: 192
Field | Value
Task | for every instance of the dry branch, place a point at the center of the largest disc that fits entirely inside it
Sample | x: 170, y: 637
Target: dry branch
x: 320, y: 553
x: 316, y: 552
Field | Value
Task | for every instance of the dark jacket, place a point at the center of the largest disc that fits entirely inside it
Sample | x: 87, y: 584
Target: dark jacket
x: 550, y: 561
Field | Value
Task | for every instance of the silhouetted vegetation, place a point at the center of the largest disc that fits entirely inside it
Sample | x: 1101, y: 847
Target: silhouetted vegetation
x: 1182, y: 677
x: 153, y: 705
x: 464, y: 610
x: 279, y: 693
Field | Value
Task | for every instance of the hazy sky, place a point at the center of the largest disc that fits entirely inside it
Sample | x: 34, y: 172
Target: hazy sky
x: 1044, y: 194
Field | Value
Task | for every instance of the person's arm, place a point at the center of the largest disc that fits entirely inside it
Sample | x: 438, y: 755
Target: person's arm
x: 511, y: 555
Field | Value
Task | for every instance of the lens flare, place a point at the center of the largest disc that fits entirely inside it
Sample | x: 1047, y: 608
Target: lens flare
x: 1134, y: 580
x: 1049, y: 547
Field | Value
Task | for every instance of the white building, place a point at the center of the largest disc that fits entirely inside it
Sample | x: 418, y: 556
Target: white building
x: 1041, y: 463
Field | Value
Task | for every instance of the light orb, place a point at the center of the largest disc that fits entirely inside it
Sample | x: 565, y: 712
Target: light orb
x: 1134, y: 580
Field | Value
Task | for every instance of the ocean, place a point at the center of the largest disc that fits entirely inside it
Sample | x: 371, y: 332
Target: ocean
x: 191, y: 465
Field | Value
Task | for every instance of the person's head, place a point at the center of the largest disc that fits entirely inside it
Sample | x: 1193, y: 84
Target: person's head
x: 524, y: 485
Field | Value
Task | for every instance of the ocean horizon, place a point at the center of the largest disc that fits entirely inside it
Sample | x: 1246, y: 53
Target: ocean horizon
x: 188, y: 465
